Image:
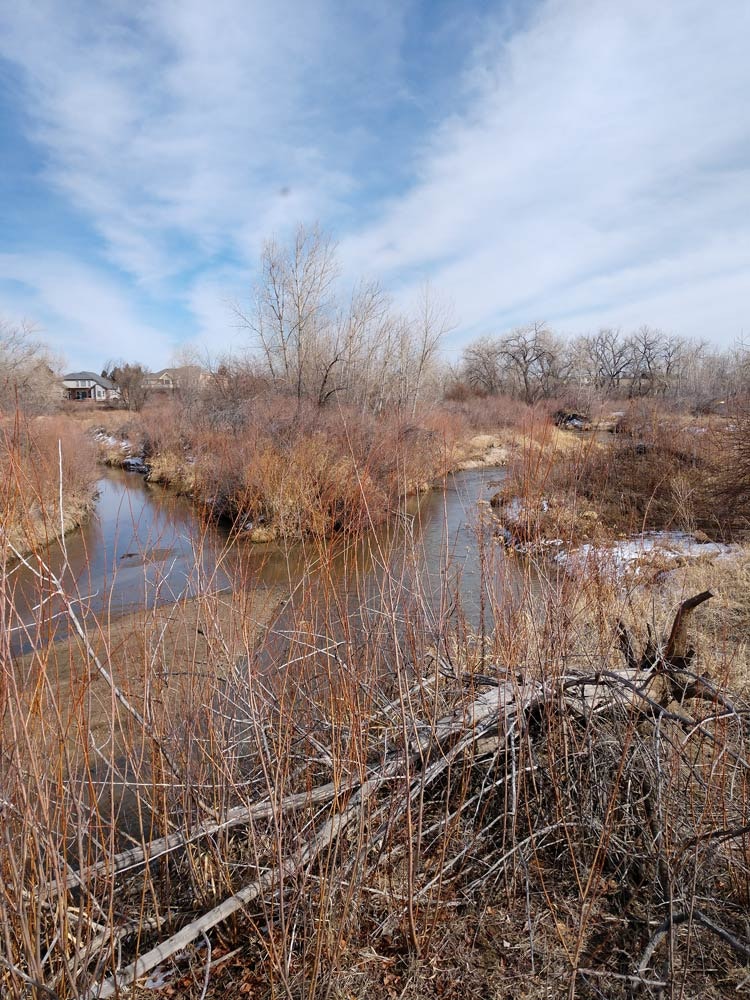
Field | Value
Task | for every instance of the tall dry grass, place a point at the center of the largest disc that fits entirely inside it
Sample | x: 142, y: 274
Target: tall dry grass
x: 659, y: 469
x: 570, y: 852
x: 280, y: 468
x: 47, y: 478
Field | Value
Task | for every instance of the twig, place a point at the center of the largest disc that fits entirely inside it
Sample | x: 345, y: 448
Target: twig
x: 632, y: 980
x: 683, y: 917
x: 137, y: 856
x: 207, y: 975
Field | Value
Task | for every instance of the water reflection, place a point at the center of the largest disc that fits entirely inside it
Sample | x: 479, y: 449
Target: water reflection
x: 141, y: 548
x: 145, y: 547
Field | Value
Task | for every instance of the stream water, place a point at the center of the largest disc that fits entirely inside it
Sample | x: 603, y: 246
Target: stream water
x: 143, y: 547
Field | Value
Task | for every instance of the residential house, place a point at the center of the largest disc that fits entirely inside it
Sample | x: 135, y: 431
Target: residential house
x: 89, y: 385
x: 170, y: 379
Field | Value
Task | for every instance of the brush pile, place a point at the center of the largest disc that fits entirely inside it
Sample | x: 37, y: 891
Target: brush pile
x: 587, y: 831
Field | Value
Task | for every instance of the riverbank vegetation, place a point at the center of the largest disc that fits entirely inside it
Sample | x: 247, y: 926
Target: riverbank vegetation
x: 47, y: 480
x: 340, y: 404
x: 47, y: 464
x: 28, y: 372
x: 660, y: 469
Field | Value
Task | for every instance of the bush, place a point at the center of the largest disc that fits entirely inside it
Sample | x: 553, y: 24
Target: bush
x: 294, y: 469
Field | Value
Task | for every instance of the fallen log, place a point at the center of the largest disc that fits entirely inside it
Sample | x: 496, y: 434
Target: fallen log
x: 326, y: 836
x: 141, y: 855
x: 423, y: 754
x: 601, y: 691
x: 482, y: 715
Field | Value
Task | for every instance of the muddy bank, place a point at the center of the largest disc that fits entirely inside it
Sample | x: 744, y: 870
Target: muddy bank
x: 483, y: 451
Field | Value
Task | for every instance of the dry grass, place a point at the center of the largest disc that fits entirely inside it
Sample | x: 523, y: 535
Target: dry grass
x: 282, y: 469
x: 566, y: 849
x: 662, y: 470
x: 48, y: 479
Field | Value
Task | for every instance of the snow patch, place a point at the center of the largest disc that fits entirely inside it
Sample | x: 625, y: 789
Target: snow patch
x: 630, y: 553
x: 110, y: 441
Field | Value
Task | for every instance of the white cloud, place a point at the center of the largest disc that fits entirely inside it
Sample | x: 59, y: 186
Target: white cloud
x: 90, y: 316
x: 606, y: 150
x: 174, y: 127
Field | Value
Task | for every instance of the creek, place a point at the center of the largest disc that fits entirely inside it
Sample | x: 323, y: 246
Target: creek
x: 145, y: 547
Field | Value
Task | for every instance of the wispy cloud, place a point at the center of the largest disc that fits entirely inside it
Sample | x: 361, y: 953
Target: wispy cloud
x: 574, y: 161
x: 186, y: 121
x: 88, y: 317
x: 602, y: 169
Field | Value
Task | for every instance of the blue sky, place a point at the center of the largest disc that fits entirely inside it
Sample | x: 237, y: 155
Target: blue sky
x: 583, y: 162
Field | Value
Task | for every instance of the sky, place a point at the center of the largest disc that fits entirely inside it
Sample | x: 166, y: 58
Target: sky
x: 585, y: 163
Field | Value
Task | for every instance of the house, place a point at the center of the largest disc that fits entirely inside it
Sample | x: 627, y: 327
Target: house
x: 186, y: 376
x: 89, y: 385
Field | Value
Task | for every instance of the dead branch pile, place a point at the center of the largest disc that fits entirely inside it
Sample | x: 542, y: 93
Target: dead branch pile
x: 605, y: 814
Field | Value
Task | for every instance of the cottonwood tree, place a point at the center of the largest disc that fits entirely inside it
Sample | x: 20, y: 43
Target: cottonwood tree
x: 191, y: 368
x: 428, y: 329
x: 532, y: 363
x: 367, y: 331
x: 29, y: 373
x: 527, y: 362
x: 646, y: 357
x: 530, y: 357
x: 602, y: 360
x: 482, y: 365
x: 314, y: 347
x: 292, y: 315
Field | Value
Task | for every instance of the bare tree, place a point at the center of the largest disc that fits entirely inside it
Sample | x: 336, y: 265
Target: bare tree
x: 367, y: 337
x: 293, y: 316
x: 431, y: 324
x: 646, y: 362
x: 533, y: 363
x: 29, y: 374
x: 530, y: 358
x: 317, y: 349
x: 190, y: 366
x: 482, y: 365
x: 603, y: 360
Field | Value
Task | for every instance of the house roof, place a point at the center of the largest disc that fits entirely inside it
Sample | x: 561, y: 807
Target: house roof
x: 105, y: 383
x: 184, y: 370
